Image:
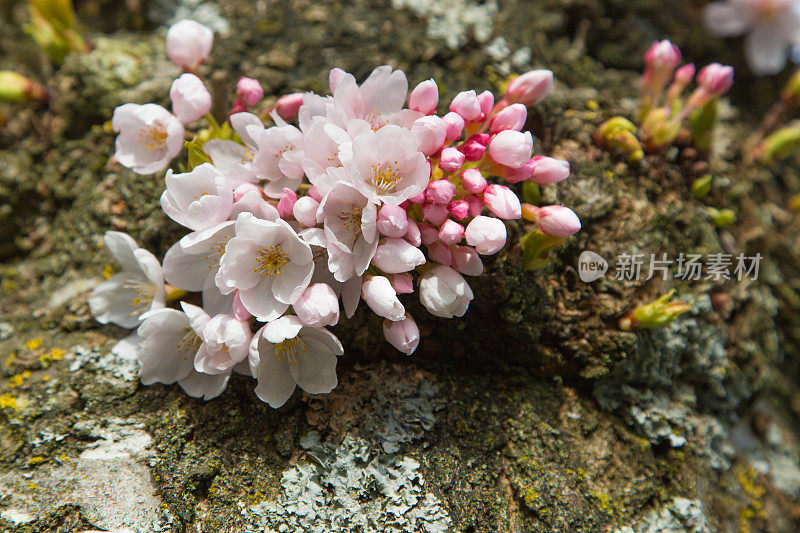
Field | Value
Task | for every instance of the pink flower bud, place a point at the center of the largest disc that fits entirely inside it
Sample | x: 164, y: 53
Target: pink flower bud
x: 452, y: 160
x: 451, y: 232
x: 288, y: 105
x: 245, y: 188
x: 392, y: 221
x: 429, y: 132
x: 190, y: 98
x: 440, y: 252
x: 402, y: 283
x: 717, y: 79
x: 486, y: 99
x: 334, y: 76
x: 466, y: 260
x: 305, y: 211
x: 558, y: 221
x: 515, y: 175
x: 473, y: 181
x: 424, y: 97
x: 547, y: 170
x: 394, y: 256
x: 458, y: 209
x: 318, y: 306
x: 467, y: 105
x: 249, y: 91
x: 662, y: 56
x: 685, y: 74
x: 455, y: 125
x: 418, y: 199
x: 502, y: 202
x: 511, y: 148
x: 429, y: 234
x: 313, y: 192
x: 413, y: 235
x: 435, y: 213
x: 189, y: 43
x: 440, y: 191
x: 286, y: 204
x: 239, y: 312
x: 475, y: 146
x: 486, y: 234
x: 381, y: 297
x: 530, y: 88
x: 403, y: 334
x: 512, y: 117
x: 475, y: 205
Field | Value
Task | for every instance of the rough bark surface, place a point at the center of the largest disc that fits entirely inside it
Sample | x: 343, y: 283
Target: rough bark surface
x: 533, y: 413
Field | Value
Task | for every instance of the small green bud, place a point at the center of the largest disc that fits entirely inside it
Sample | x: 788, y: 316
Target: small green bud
x: 659, y: 130
x: 654, y: 315
x: 780, y: 144
x: 619, y: 134
x: 536, y: 248
x: 17, y: 88
x: 701, y: 186
x: 721, y: 218
x: 701, y: 124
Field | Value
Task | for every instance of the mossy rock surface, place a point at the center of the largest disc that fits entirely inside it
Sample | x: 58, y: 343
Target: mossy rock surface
x: 532, y: 413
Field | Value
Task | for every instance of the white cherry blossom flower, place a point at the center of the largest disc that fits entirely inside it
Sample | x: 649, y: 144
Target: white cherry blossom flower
x: 387, y: 167
x: 225, y: 340
x: 149, y: 137
x: 349, y: 220
x: 167, y: 353
x: 128, y: 294
x: 198, y: 199
x: 268, y: 263
x: 279, y: 159
x: 285, y: 354
x: 379, y: 100
x: 772, y: 27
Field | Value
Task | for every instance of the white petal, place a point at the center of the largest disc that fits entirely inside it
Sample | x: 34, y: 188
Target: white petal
x: 129, y: 347
x: 275, y: 383
x: 260, y: 302
x: 286, y: 327
x: 766, y: 49
x: 121, y: 245
x: 315, y: 371
x: 204, y: 385
x: 186, y: 271
x: 725, y: 19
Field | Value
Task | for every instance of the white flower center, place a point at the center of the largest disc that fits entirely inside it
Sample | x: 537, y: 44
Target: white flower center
x: 352, y: 220
x: 143, y: 294
x: 270, y: 260
x: 384, y: 179
x: 189, y: 343
x: 154, y: 136
x: 288, y: 350
x: 215, y: 251
x: 375, y: 119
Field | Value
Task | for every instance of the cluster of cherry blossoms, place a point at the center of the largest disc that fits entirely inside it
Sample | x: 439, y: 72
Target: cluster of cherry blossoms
x: 363, y: 199
x: 773, y: 28
x: 666, y: 112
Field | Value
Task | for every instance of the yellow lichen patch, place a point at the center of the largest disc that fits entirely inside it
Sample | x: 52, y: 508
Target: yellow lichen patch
x: 592, y: 105
x: 6, y: 401
x: 755, y: 507
x: 10, y: 360
x: 530, y: 497
x: 33, y: 461
x: 18, y: 379
x: 56, y: 354
x: 34, y: 343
